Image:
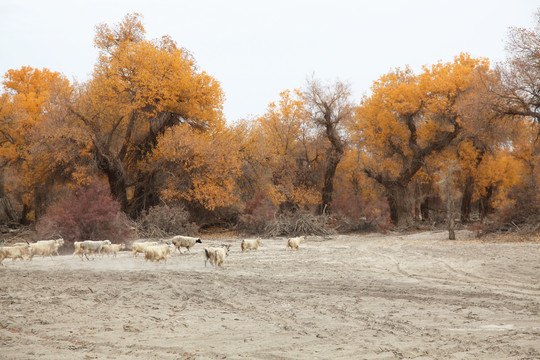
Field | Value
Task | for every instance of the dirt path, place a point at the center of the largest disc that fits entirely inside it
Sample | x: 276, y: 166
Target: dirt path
x: 346, y: 297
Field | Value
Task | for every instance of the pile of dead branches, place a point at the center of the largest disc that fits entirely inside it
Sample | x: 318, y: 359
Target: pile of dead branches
x: 164, y: 221
x: 302, y: 224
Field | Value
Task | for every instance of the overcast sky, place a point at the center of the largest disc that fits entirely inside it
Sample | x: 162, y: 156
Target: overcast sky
x: 257, y: 49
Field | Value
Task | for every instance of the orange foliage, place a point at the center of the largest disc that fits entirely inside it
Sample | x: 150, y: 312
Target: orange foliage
x: 27, y: 105
x: 408, y: 118
x: 24, y: 104
x: 408, y: 113
x: 284, y: 144
x: 202, y: 168
x: 139, y: 89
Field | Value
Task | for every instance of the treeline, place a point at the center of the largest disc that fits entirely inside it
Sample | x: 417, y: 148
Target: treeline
x: 457, y: 140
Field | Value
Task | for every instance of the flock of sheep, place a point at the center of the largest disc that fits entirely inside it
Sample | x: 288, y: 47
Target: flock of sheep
x: 152, y: 250
x: 19, y: 250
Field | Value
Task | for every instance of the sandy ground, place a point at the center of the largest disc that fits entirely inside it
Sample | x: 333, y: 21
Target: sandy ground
x: 344, y: 297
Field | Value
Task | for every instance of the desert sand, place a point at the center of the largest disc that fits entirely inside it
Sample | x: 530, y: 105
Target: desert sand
x: 415, y: 296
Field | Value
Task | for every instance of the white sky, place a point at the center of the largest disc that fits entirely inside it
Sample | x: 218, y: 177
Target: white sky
x: 257, y: 49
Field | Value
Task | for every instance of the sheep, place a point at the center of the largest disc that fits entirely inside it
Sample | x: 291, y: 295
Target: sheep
x: 295, y: 242
x: 14, y: 252
x: 139, y: 247
x: 157, y: 253
x: 180, y: 241
x: 252, y: 244
x: 220, y: 254
x: 209, y: 255
x: 77, y: 249
x: 43, y: 248
x: 59, y: 243
x: 216, y: 255
x: 93, y: 247
x: 112, y: 249
x: 25, y: 245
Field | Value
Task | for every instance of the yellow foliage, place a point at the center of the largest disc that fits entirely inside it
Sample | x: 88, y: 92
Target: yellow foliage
x: 283, y: 146
x: 350, y: 177
x: 407, y: 115
x: 141, y: 87
x: 501, y: 171
x: 25, y: 108
x: 24, y: 105
x: 202, y: 167
x: 130, y: 29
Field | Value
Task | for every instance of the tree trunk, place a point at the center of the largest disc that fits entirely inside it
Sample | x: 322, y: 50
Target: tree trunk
x: 24, y: 216
x: 417, y: 201
x: 400, y: 205
x: 145, y: 194
x: 5, y: 203
x: 328, y: 187
x: 451, y: 227
x: 466, y: 200
x: 485, y: 203
x: 7, y: 208
x: 41, y: 199
x: 450, y: 213
x: 117, y: 184
x: 116, y: 175
x: 424, y: 209
x: 330, y: 108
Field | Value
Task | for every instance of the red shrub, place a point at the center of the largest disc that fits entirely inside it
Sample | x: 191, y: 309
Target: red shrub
x: 88, y: 213
x: 258, y: 214
x: 355, y: 213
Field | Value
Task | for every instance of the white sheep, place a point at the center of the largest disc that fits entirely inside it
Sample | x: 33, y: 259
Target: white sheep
x: 221, y: 254
x: 216, y: 255
x: 58, y: 243
x: 14, y: 252
x: 209, y: 255
x: 180, y: 241
x: 77, y: 249
x: 43, y: 248
x: 295, y: 242
x: 139, y: 247
x: 93, y: 247
x: 112, y: 249
x: 156, y: 253
x: 251, y: 244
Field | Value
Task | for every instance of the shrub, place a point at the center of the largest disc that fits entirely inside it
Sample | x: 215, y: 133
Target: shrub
x: 354, y: 213
x: 87, y: 213
x: 522, y: 214
x: 162, y: 221
x: 258, y: 214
